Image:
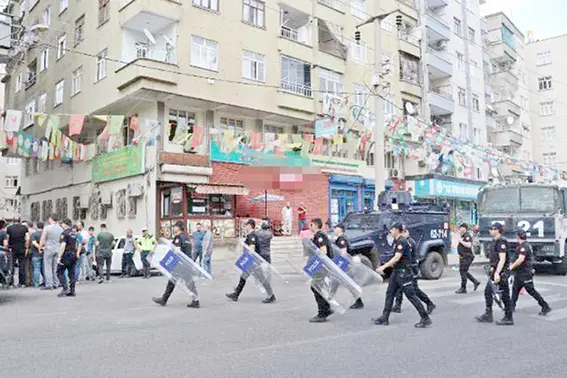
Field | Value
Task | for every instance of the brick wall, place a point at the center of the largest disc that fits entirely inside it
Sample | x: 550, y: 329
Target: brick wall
x: 315, y: 197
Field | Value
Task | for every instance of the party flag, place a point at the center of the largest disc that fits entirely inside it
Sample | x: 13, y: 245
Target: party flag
x: 76, y: 123
x: 116, y: 123
x: 13, y: 120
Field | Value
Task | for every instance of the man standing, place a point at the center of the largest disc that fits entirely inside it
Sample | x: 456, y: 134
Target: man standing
x: 321, y: 241
x: 103, y: 254
x: 16, y: 241
x: 208, y: 241
x: 89, y: 261
x: 67, y: 259
x: 36, y: 254
x: 466, y: 257
x: 130, y: 247
x: 83, y: 238
x: 286, y: 218
x: 301, y: 217
x: 147, y: 244
x: 499, y: 260
x: 523, y: 274
x: 197, y: 252
x: 402, y: 277
x: 49, y: 243
x: 28, y: 268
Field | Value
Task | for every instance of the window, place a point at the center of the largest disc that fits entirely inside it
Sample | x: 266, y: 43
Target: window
x: 42, y: 103
x: 76, y: 80
x: 358, y: 51
x: 101, y: 65
x: 546, y: 108
x: 59, y: 92
x: 460, y: 61
x: 79, y: 29
x: 296, y: 76
x: 543, y: 58
x: 462, y: 97
x: 232, y: 124
x: 11, y: 182
x: 19, y: 82
x: 475, y: 103
x: 204, y: 53
x: 12, y: 161
x: 63, y: 5
x: 253, y: 66
x: 103, y: 11
x: 550, y: 158
x: 43, y: 60
x: 544, y: 83
x: 476, y: 136
x: 61, y: 46
x: 32, y: 74
x: 46, y: 16
x: 389, y: 105
x: 358, y: 9
x: 463, y: 131
x: 29, y: 112
x: 182, y: 120
x: 360, y: 95
x: 209, y: 4
x: 330, y: 82
x: 253, y: 12
x: 472, y: 35
x: 457, y: 27
x: 548, y: 133
x: 142, y: 50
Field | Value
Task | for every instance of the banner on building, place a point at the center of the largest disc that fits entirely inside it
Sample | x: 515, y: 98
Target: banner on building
x: 125, y: 162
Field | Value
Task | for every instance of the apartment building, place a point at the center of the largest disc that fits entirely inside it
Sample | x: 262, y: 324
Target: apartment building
x: 547, y: 90
x: 229, y: 66
x: 510, y: 109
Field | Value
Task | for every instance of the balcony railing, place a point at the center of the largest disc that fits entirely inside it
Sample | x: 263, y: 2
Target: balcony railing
x: 297, y: 35
x: 289, y: 33
x: 436, y: 16
x: 442, y: 91
x: 32, y: 77
x: 408, y: 37
x: 440, y: 54
x: 296, y: 88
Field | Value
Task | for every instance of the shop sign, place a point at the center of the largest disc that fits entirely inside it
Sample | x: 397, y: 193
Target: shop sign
x: 125, y: 162
x: 449, y: 189
x: 338, y: 165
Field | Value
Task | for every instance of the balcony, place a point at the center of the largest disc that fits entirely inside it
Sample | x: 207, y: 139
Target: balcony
x: 510, y: 136
x: 410, y: 87
x: 409, y: 43
x: 331, y: 39
x: 295, y: 25
x: 440, y: 100
x: 439, y: 64
x: 164, y: 8
x: 436, y: 4
x: 436, y: 28
x: 502, y: 52
x: 408, y: 8
x: 295, y: 96
x: 490, y: 123
x: 505, y: 78
x: 506, y: 105
x: 147, y: 70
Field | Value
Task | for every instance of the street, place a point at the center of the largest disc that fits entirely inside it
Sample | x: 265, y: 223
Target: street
x: 115, y: 330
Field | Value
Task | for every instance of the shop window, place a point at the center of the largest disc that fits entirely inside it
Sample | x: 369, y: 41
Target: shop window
x: 171, y: 202
x: 232, y: 124
x: 217, y: 205
x: 180, y: 124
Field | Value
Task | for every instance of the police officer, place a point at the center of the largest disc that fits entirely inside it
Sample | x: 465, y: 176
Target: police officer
x: 499, y: 260
x: 260, y: 242
x: 181, y: 241
x: 147, y: 244
x: 466, y: 257
x: 67, y: 256
x: 321, y: 240
x: 343, y: 245
x: 402, y: 277
x: 415, y: 270
x: 523, y: 274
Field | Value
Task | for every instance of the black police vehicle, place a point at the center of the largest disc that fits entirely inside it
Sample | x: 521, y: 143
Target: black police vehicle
x: 428, y: 224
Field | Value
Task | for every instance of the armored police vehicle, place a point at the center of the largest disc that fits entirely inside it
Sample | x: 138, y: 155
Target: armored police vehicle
x: 428, y: 224
x: 538, y: 209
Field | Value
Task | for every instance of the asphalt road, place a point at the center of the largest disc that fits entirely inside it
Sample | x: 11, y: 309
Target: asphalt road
x: 114, y: 330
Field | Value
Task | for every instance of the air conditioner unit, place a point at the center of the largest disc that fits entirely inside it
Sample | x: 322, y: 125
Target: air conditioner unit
x: 106, y: 198
x: 135, y: 190
x: 392, y: 173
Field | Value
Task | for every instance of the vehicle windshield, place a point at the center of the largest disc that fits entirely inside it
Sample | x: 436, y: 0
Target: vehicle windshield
x: 367, y: 221
x: 525, y: 200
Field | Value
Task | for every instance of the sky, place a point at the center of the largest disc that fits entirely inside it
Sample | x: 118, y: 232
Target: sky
x: 546, y: 18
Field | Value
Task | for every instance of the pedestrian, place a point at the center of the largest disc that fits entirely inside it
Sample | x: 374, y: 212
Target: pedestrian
x: 16, y: 241
x: 523, y: 274
x: 287, y: 214
x: 466, y: 257
x: 83, y: 238
x: 499, y: 260
x: 197, y: 252
x: 415, y: 271
x: 103, y: 253
x: 322, y: 242
x: 402, y: 276
x: 89, y: 256
x: 208, y: 243
x: 343, y: 245
x: 147, y: 244
x: 37, y: 255
x: 305, y: 233
x: 301, y: 217
x: 130, y: 247
x: 180, y: 241
x: 28, y: 268
x: 49, y: 243
x: 67, y: 257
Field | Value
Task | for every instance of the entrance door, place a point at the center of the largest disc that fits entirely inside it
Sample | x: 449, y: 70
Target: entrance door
x: 342, y: 202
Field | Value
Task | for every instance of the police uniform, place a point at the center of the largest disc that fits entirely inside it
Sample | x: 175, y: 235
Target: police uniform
x: 523, y: 278
x: 68, y: 262
x: 147, y: 245
x: 320, y: 239
x: 466, y: 257
x: 342, y: 243
x: 402, y: 278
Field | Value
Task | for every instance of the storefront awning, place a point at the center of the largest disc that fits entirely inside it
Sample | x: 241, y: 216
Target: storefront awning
x: 228, y: 189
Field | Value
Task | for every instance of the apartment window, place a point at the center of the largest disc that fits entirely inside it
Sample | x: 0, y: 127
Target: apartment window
x: 42, y: 103
x: 472, y: 35
x: 63, y: 5
x: 101, y: 65
x: 142, y: 50
x: 46, y: 16
x: 29, y: 112
x: 59, y: 92
x: 61, y: 46
x: 182, y: 119
x: 12, y: 161
x: 358, y: 9
x: 358, y: 51
x: 460, y: 61
x: 253, y: 66
x: 462, y: 96
x: 544, y: 83
x: 76, y: 80
x: 457, y: 27
x: 79, y: 29
x: 475, y: 103
x: 19, y: 82
x: 548, y: 133
x: 360, y: 95
x: 43, y: 60
x: 543, y: 58
x: 208, y: 4
x: 463, y: 131
x: 330, y: 82
x: 546, y: 108
x: 11, y: 181
x: 103, y: 11
x: 253, y: 12
x: 204, y: 53
x: 232, y: 124
x: 296, y: 76
x: 476, y: 135
x: 550, y: 158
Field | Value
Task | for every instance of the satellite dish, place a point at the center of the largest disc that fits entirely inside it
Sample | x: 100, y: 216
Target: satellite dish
x: 150, y: 36
x: 510, y: 120
x: 167, y: 40
x: 410, y: 108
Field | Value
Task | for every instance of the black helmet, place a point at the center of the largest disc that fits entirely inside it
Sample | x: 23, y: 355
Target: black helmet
x: 522, y: 234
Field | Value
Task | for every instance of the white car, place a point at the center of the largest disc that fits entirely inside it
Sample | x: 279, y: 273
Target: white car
x: 118, y: 251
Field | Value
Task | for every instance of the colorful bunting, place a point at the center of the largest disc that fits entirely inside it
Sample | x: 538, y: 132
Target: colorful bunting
x: 76, y: 123
x: 13, y: 120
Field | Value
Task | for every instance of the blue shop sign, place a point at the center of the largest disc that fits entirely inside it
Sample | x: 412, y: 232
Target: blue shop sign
x: 449, y: 189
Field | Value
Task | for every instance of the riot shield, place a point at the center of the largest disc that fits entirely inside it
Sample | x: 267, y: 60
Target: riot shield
x: 251, y: 264
x: 177, y: 266
x: 329, y: 280
x: 359, y: 268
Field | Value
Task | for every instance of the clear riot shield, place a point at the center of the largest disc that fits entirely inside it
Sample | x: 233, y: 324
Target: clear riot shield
x: 178, y: 267
x: 251, y: 264
x: 359, y: 268
x: 329, y: 280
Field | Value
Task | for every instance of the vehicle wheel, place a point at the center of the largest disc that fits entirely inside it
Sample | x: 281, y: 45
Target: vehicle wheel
x: 432, y: 267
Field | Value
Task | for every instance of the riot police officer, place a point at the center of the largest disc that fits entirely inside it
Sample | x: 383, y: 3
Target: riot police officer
x: 321, y: 240
x: 499, y: 260
x: 402, y: 277
x: 523, y: 274
x: 466, y: 257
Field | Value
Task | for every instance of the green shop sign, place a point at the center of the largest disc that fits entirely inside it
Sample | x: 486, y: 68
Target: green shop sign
x: 125, y: 162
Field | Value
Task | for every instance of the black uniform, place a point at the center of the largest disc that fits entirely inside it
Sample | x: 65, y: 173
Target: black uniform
x: 182, y: 242
x: 499, y: 246
x: 68, y: 262
x: 342, y: 242
x: 321, y: 239
x: 466, y: 257
x: 523, y: 278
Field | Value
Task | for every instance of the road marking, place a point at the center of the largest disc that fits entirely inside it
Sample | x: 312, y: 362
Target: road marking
x: 480, y: 298
x: 553, y: 316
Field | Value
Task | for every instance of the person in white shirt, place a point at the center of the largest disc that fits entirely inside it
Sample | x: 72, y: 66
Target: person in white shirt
x: 287, y: 217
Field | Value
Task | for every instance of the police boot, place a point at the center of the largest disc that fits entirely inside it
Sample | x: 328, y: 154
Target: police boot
x: 397, y: 308
x: 382, y: 320
x: 430, y: 308
x: 237, y: 290
x: 545, y: 310
x: 194, y: 304
x: 160, y: 301
x: 358, y: 304
x: 270, y: 299
x: 424, y: 322
x: 486, y: 317
x: 507, y: 320
x: 63, y: 293
x: 476, y: 285
x: 462, y: 290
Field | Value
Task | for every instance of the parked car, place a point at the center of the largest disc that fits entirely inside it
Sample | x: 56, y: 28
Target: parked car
x: 118, y: 251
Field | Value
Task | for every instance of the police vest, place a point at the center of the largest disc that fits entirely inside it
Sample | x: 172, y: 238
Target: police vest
x: 146, y: 244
